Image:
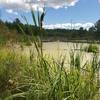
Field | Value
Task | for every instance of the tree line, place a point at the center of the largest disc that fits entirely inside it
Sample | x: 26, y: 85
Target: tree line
x: 13, y: 29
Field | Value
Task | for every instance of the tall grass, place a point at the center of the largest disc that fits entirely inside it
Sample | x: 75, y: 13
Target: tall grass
x: 22, y: 78
x: 43, y: 78
x: 92, y: 48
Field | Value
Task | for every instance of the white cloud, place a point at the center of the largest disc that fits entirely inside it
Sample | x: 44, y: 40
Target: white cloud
x: 25, y: 4
x: 69, y: 26
x: 10, y: 11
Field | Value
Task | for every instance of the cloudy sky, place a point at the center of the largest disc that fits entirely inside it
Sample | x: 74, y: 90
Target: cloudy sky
x: 59, y: 13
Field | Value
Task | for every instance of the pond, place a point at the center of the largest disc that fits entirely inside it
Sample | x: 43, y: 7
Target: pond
x: 59, y: 50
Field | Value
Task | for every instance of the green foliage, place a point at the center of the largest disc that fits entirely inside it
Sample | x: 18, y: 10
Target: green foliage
x: 97, y: 26
x: 13, y: 31
x: 92, y: 48
x: 9, y: 71
x: 2, y: 40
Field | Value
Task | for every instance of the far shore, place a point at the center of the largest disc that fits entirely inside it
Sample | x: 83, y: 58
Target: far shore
x: 73, y: 41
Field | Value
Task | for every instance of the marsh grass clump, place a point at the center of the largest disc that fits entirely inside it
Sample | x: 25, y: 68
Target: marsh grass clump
x: 10, y: 64
x: 92, y: 48
x: 3, y: 40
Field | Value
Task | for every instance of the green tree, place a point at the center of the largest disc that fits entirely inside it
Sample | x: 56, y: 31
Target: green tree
x: 16, y: 24
x: 92, y: 29
x: 81, y: 30
x: 97, y: 26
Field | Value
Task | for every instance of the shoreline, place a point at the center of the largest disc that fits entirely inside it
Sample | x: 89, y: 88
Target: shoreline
x: 74, y: 41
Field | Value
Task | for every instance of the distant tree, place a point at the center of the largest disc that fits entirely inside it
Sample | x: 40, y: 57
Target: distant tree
x: 16, y: 23
x: 92, y: 29
x: 3, y: 29
x: 97, y: 26
x: 1, y: 21
x: 81, y: 30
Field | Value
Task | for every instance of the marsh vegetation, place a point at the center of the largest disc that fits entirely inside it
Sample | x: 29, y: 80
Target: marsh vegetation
x: 47, y: 71
x: 27, y: 77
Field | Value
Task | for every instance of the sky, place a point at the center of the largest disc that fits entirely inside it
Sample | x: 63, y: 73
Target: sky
x: 59, y: 13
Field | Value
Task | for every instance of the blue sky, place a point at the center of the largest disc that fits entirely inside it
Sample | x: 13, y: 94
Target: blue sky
x: 83, y: 11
